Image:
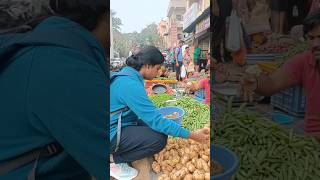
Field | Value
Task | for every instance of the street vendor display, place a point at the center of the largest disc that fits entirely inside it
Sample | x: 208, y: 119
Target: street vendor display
x: 137, y: 128
x: 196, y: 116
x: 266, y: 150
x: 302, y: 70
x: 202, y: 84
x: 274, y: 45
x: 184, y: 159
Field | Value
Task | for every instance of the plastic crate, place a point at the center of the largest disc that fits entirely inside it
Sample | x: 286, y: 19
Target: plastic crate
x: 200, y: 94
x: 254, y: 58
x: 291, y: 101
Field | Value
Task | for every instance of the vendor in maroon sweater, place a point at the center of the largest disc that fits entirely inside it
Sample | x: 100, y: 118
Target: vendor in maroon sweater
x: 303, y: 70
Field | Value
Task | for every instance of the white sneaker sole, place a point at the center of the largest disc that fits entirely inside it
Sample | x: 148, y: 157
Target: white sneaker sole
x: 119, y: 178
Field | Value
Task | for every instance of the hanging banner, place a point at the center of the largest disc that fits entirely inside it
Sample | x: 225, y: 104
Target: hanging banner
x: 190, y: 15
x: 203, y: 25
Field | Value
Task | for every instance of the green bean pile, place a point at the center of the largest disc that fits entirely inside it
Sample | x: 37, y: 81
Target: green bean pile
x: 160, y: 99
x: 197, y: 115
x: 265, y: 149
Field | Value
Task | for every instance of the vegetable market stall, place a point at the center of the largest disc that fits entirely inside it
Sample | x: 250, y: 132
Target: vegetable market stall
x: 266, y: 149
x: 184, y: 159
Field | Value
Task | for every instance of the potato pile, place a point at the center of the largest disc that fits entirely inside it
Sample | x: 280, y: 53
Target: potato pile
x: 183, y: 160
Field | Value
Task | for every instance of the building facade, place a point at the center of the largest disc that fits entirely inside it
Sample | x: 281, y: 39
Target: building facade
x: 163, y: 33
x: 196, y: 25
x: 175, y: 14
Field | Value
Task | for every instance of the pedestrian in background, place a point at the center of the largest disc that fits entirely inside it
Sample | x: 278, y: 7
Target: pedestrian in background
x: 196, y: 56
x: 179, y: 60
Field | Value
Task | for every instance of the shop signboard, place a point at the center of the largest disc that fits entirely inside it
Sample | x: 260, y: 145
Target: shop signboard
x: 203, y: 25
x: 190, y: 15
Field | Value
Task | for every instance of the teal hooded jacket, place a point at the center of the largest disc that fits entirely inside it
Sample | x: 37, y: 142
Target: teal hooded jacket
x: 52, y: 92
x: 127, y: 90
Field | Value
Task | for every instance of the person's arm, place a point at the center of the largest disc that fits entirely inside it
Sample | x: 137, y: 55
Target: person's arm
x: 166, y: 74
x: 269, y: 85
x: 195, y: 87
x: 142, y: 106
x: 290, y: 75
x: 68, y: 96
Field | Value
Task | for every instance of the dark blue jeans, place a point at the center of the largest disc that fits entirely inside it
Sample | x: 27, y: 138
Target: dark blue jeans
x: 137, y: 142
x: 178, y: 71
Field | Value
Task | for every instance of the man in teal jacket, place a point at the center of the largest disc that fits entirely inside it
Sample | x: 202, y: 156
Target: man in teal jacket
x: 143, y: 129
x: 53, y: 88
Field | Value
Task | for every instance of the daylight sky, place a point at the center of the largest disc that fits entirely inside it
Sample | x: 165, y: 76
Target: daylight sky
x: 137, y: 14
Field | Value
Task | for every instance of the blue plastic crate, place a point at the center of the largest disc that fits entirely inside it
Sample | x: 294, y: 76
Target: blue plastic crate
x: 291, y: 101
x: 200, y: 94
x: 254, y: 58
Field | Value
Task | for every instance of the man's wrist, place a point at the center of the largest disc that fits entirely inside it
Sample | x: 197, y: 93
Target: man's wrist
x: 191, y: 135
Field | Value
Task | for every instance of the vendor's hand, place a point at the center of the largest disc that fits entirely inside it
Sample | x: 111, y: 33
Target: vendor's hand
x: 248, y: 86
x: 201, y: 135
x: 188, y: 87
x: 177, y: 64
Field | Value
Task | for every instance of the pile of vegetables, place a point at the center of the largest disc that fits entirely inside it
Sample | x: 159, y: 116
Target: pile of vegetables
x: 183, y: 159
x: 197, y: 115
x: 275, y: 47
x: 160, y: 99
x: 299, y: 48
x: 274, y: 44
x: 265, y: 149
x: 164, y: 78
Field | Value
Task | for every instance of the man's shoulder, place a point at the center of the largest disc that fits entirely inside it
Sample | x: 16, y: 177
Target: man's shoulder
x: 305, y: 57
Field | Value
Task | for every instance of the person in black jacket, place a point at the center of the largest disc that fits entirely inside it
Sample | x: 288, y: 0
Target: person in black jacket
x: 54, y: 95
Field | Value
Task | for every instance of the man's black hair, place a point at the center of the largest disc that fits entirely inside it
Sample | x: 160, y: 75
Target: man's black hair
x: 311, y: 21
x: 149, y: 55
x: 87, y: 13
